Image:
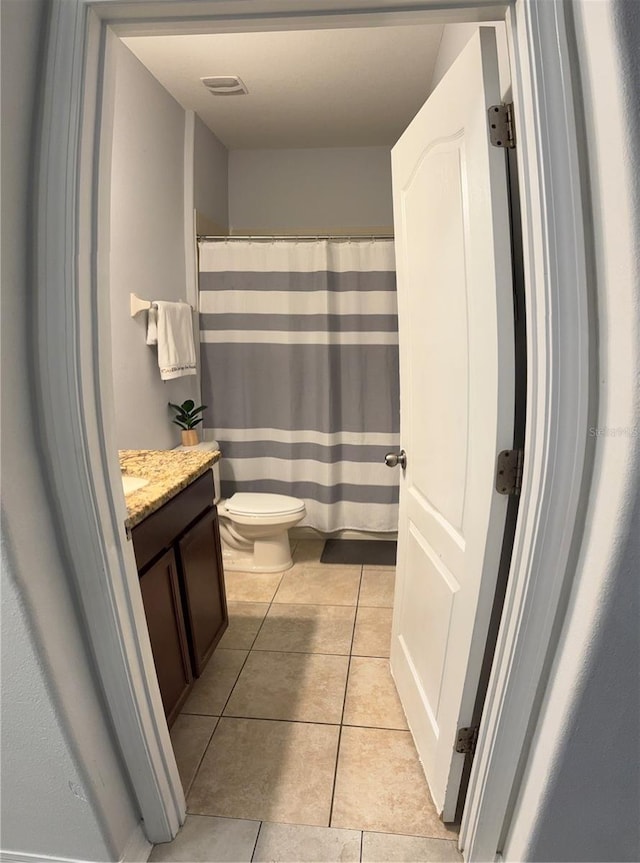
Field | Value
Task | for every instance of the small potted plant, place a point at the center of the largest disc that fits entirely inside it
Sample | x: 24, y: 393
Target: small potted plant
x: 188, y: 416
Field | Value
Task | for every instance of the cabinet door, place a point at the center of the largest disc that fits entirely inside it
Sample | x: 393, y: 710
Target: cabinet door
x: 203, y: 581
x: 163, y: 609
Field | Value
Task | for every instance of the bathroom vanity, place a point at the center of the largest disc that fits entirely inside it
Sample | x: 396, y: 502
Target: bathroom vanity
x: 173, y: 524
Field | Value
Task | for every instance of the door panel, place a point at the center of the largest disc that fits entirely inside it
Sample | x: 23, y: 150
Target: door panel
x: 428, y: 617
x: 203, y: 579
x: 439, y: 326
x: 457, y: 392
x: 163, y: 609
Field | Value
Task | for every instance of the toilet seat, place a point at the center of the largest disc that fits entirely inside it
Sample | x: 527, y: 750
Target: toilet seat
x: 260, y: 504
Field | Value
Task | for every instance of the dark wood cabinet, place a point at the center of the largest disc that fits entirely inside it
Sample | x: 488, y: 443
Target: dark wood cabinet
x: 179, y: 559
x: 201, y: 569
x: 162, y: 528
x: 163, y: 609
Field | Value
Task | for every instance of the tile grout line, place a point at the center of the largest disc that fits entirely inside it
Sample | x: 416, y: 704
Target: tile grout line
x: 273, y: 602
x: 306, y: 604
x: 292, y: 721
x: 253, y: 853
x: 341, y: 724
x: 344, y: 701
x: 204, y: 752
x: 320, y: 604
x: 271, y: 719
x: 235, y: 683
x: 219, y: 717
x: 255, y: 602
x: 222, y: 714
x: 195, y: 776
x: 266, y: 613
x: 301, y: 653
x: 298, y: 652
x: 316, y: 722
x: 303, y: 722
x: 251, y: 649
x: 353, y: 636
x: 268, y: 602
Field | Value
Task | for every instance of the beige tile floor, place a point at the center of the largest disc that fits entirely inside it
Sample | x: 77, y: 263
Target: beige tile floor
x: 293, y: 745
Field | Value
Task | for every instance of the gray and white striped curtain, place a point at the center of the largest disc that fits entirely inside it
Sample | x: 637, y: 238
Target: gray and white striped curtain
x: 299, y: 348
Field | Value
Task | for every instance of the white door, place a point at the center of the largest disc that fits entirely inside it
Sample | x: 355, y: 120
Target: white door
x: 456, y: 402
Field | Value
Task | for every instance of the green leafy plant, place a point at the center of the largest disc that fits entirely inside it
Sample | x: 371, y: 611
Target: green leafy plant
x: 188, y: 416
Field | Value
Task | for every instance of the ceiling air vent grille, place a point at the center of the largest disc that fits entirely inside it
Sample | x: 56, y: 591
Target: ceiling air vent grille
x: 225, y: 85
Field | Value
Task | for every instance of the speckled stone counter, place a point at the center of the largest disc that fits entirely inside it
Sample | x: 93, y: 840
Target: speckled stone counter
x: 168, y: 472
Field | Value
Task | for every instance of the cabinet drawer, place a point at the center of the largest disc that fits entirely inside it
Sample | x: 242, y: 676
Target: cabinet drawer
x: 159, y: 530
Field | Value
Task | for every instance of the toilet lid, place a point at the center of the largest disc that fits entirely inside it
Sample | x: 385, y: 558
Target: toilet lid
x: 246, y: 503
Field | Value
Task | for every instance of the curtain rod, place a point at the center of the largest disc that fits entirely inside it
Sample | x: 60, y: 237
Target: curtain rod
x: 222, y: 237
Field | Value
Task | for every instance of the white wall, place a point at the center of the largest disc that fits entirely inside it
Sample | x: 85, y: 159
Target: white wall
x: 580, y: 796
x: 63, y: 789
x: 314, y: 191
x: 211, y: 175
x: 147, y: 248
x: 456, y: 36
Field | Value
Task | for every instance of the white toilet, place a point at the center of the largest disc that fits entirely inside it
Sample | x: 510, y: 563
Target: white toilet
x: 254, y: 527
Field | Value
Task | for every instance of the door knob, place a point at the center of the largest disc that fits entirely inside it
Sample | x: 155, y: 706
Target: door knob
x: 392, y: 459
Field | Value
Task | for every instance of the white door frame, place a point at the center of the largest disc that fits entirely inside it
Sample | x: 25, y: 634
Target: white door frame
x: 73, y: 390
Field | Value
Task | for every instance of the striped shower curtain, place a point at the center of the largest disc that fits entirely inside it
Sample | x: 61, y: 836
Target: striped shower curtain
x: 299, y: 349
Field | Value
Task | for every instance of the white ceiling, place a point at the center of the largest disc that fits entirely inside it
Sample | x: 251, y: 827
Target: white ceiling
x: 317, y: 88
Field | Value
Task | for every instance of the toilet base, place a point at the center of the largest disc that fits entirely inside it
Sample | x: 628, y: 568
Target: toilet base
x: 269, y: 554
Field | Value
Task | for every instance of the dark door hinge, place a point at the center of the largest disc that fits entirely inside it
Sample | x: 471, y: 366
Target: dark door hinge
x: 501, y: 129
x: 509, y: 471
x: 466, y: 740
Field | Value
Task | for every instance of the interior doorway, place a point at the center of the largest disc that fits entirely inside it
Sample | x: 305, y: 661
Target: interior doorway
x: 156, y: 59
x: 560, y: 497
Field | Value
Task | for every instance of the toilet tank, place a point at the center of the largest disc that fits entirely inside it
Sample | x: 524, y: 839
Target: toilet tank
x: 208, y: 446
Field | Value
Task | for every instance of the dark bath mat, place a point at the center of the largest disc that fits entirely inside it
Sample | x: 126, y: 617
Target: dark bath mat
x: 372, y: 552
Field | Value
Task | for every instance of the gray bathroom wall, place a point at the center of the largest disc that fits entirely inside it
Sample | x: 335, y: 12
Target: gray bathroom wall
x: 314, y: 190
x: 456, y: 36
x: 211, y: 176
x: 147, y: 247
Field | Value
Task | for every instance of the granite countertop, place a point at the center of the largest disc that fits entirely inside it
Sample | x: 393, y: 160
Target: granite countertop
x: 168, y: 472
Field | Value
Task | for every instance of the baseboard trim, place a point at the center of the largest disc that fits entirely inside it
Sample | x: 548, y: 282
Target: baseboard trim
x: 137, y: 850
x: 296, y: 533
x: 138, y: 847
x: 17, y: 857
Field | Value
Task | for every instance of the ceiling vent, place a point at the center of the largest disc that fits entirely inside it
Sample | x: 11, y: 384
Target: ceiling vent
x: 225, y: 85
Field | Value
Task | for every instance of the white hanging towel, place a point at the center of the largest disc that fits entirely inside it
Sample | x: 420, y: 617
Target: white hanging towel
x: 152, y: 326
x: 176, y: 348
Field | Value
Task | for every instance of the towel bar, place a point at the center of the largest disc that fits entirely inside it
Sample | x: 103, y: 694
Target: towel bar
x: 139, y: 305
